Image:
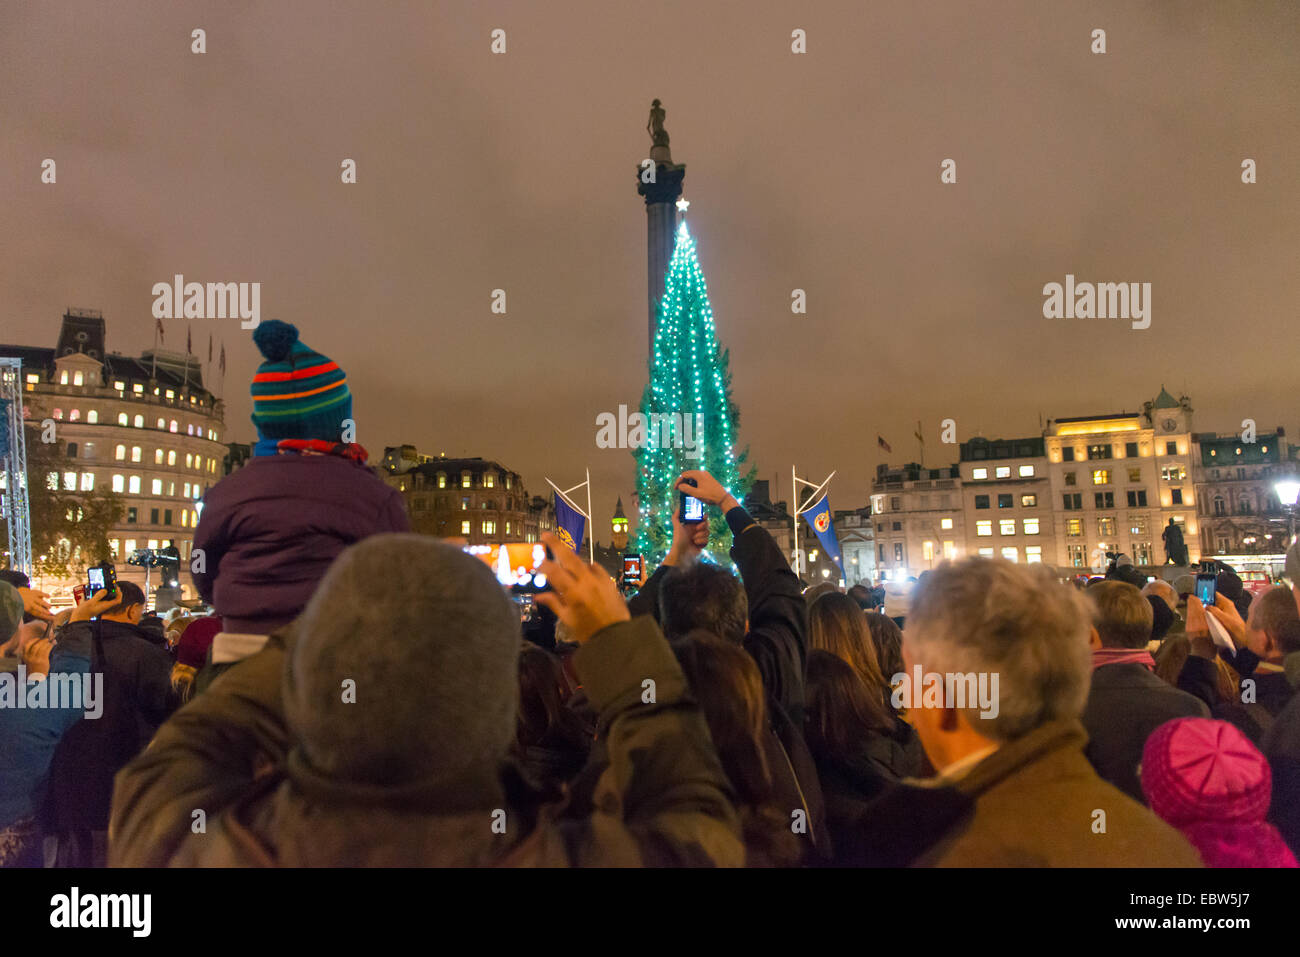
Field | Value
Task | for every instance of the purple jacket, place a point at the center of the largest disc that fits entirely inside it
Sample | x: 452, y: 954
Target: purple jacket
x: 269, y: 530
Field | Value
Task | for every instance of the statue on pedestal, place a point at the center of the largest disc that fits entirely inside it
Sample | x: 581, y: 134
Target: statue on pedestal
x: 1175, y: 549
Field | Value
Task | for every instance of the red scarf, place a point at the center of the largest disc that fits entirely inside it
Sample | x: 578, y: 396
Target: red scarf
x: 346, y: 450
x: 1122, y: 656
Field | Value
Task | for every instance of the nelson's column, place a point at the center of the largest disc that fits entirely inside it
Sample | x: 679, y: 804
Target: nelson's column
x: 659, y: 180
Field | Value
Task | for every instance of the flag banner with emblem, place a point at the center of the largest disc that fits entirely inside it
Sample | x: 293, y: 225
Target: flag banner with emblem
x: 819, y: 518
x: 880, y: 441
x: 570, y: 523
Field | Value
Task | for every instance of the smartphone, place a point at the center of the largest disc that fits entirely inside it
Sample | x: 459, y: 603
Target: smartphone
x: 101, y: 578
x: 632, y: 569
x: 1206, y: 586
x: 692, y: 509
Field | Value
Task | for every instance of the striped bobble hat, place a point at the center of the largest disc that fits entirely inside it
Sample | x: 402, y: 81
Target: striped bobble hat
x: 297, y: 392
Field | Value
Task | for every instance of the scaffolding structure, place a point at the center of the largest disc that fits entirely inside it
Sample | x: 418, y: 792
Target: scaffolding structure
x: 13, y: 453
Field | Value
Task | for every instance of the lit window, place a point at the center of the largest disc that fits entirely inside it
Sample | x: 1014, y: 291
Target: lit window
x: 137, y: 388
x: 1074, y: 526
x: 63, y: 379
x: 170, y: 395
x: 157, y: 456
x: 945, y: 523
x: 119, y: 483
x: 949, y: 550
x: 130, y: 545
x: 120, y: 453
x: 984, y: 529
x: 464, y: 480
x: 156, y: 488
x: 986, y: 553
x: 1026, y: 471
x: 92, y: 417
x: 1011, y: 553
x: 77, y: 379
x: 1106, y: 527
x: 489, y: 480
x: 1033, y: 554
x: 464, y: 528
x: 1030, y: 525
x: 189, y: 460
x: 1101, y: 476
x: 87, y: 481
x: 69, y: 481
x: 139, y: 422
x: 33, y: 378
x: 1029, y: 501
x: 1007, y: 526
x: 136, y: 453
x: 1004, y: 471
x: 74, y: 415
x: 1135, y: 475
x: 122, y: 419
x: 489, y: 528
x: 171, y: 426
x: 927, y: 551
x: 442, y: 480
x: 133, y: 485
x: 171, y: 457
x: 979, y: 473
x: 185, y: 518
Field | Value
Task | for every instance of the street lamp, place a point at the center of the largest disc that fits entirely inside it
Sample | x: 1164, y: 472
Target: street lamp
x: 1288, y: 490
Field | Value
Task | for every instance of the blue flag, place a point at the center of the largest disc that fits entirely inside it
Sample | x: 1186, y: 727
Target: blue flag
x: 570, y: 523
x: 819, y: 518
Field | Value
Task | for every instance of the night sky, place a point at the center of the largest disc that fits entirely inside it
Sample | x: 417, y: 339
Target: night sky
x: 817, y: 171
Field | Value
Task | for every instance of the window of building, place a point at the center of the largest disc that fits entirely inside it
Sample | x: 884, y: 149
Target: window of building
x: 1026, y: 471
x: 1030, y: 525
x: 138, y: 422
x: 979, y: 474
x: 157, y: 456
x: 87, y: 481
x: 1011, y: 553
x: 1171, y: 448
x: 489, y: 528
x: 945, y: 523
x: 119, y: 483
x: 464, y: 503
x: 882, y: 553
x: 1135, y: 475
x: 1173, y: 473
x: 189, y: 460
x: 442, y: 480
x: 984, y: 529
x: 162, y: 424
x: 1104, y: 499
x: 1138, y: 526
x: 1067, y: 454
x: 153, y: 516
x: 156, y: 487
x: 465, y: 480
x: 898, y: 552
x: 1130, y: 450
x: 981, y: 501
x: 1137, y: 498
x: 986, y: 553
x: 927, y: 551
x: 1006, y: 501
x: 1073, y: 502
x: 137, y: 453
x: 74, y: 415
x: 88, y: 450
x: 949, y: 549
x: 1176, y: 497
x: 122, y: 419
x: 1099, y: 451
x: 1007, y: 526
x: 1142, y: 553
x: 1076, y: 555
x: 1106, y: 527
x: 1101, y: 476
x: 133, y: 485
x: 1029, y: 501
x: 489, y: 480
x: 130, y: 515
x: 464, y: 528
x: 1071, y: 478
x: 895, y: 503
x: 63, y: 378
x: 898, y: 526
x: 1033, y: 554
x: 1074, y: 527
x: 129, y: 545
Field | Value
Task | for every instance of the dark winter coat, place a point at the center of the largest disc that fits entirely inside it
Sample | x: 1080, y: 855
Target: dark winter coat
x: 1281, y: 745
x: 137, y: 698
x: 269, y: 530
x: 1125, y: 704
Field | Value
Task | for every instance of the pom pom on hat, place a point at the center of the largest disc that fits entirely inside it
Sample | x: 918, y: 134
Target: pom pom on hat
x: 275, y: 338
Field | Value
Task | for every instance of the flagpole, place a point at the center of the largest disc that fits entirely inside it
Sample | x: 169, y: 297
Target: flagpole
x: 794, y: 497
x: 591, y: 526
x: 157, y: 324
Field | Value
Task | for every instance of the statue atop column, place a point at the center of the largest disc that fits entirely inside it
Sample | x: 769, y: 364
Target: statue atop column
x: 658, y: 135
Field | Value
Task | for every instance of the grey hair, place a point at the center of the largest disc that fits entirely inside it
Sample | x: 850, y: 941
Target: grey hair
x: 991, y: 616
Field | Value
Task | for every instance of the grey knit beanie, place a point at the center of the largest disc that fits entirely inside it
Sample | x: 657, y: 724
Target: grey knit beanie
x: 11, y: 611
x: 430, y: 641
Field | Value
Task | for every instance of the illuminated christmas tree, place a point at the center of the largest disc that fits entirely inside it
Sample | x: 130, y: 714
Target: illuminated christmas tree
x: 689, y: 376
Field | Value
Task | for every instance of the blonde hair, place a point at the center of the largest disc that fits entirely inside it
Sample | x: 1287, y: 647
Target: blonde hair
x: 183, y: 680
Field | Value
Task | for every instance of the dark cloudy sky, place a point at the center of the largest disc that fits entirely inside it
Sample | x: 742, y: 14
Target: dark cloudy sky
x: 817, y: 171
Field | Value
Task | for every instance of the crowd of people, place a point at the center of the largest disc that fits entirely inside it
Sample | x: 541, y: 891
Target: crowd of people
x: 364, y: 696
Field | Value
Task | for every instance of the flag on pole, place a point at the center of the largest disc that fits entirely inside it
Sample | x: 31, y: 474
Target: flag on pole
x: 223, y: 359
x: 161, y: 336
x: 209, y: 347
x: 917, y: 433
x: 883, y: 444
x: 189, y: 341
x: 571, y: 524
x: 819, y: 519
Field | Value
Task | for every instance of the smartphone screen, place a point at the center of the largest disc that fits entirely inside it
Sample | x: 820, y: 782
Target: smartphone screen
x: 692, y: 509
x: 1205, y: 588
x: 631, y: 569
x: 96, y: 578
